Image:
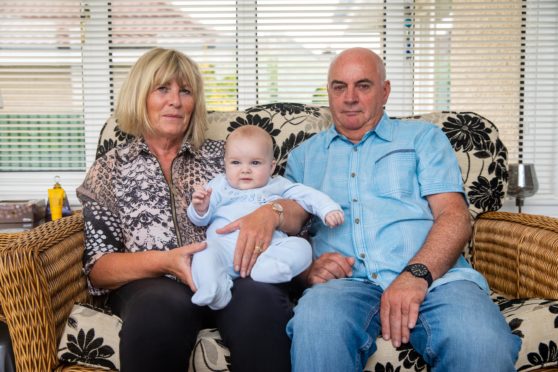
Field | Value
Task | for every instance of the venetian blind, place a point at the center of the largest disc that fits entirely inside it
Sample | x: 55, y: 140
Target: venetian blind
x: 41, y: 118
x: 69, y: 58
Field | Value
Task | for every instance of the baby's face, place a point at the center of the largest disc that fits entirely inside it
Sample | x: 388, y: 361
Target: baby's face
x: 248, y: 164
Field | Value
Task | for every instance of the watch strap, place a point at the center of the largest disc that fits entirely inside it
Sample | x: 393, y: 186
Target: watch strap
x: 419, y: 270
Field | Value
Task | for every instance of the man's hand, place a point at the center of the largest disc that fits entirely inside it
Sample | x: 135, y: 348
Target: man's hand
x: 329, y: 266
x: 200, y: 199
x: 334, y: 218
x: 179, y: 262
x: 256, y: 231
x: 400, y: 307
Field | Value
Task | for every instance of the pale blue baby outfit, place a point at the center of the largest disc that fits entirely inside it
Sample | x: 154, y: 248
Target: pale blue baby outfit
x: 286, y: 257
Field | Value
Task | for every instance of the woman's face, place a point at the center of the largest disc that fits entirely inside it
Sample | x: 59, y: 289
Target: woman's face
x: 169, y: 108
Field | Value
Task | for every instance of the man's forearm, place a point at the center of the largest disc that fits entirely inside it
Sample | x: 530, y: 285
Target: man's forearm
x: 445, y: 241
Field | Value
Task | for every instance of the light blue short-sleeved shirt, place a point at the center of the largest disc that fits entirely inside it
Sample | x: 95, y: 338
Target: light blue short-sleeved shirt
x: 381, y: 183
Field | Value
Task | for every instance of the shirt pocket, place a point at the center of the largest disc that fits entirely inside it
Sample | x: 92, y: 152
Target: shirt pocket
x: 395, y: 172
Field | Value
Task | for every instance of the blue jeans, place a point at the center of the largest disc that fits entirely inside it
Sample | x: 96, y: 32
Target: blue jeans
x: 336, y: 324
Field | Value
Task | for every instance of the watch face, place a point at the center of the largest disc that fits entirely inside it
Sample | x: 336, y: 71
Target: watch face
x: 419, y: 270
x: 277, y: 207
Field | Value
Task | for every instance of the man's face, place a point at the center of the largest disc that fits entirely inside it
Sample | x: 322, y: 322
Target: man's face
x: 357, y: 93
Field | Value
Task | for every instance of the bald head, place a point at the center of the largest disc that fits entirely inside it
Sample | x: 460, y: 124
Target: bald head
x: 362, y: 55
x: 253, y: 133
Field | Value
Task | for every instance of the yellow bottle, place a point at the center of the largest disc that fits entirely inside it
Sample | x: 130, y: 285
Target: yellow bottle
x: 56, y: 199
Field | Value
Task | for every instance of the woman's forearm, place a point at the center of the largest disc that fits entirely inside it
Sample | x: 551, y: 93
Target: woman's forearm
x: 113, y: 270
x: 294, y: 217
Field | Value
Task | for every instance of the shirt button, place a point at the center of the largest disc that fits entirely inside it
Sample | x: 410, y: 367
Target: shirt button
x: 355, y: 200
x: 374, y: 276
x: 357, y: 220
x: 353, y: 174
x: 355, y: 149
x: 362, y: 255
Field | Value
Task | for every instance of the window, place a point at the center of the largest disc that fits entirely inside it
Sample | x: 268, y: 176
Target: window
x: 40, y: 70
x: 62, y: 63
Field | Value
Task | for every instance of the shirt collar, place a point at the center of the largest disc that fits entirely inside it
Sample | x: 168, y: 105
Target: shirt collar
x: 383, y: 130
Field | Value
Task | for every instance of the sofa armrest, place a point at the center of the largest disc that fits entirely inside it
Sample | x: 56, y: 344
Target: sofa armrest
x: 40, y: 279
x: 517, y: 253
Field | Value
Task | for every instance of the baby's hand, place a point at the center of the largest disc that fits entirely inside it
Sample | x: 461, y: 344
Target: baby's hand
x: 334, y: 218
x: 200, y: 199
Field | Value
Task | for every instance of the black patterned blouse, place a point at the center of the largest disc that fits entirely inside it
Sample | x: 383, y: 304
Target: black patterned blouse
x: 128, y: 206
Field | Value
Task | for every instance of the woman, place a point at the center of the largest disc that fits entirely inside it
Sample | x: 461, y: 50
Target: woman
x: 139, y: 242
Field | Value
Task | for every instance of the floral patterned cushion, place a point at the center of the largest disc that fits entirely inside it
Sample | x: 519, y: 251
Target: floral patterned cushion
x: 209, y: 354
x: 481, y: 155
x: 483, y: 161
x: 535, y: 320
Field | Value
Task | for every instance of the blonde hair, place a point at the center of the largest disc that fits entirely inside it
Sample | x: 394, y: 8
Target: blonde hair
x: 251, y: 132
x: 160, y: 66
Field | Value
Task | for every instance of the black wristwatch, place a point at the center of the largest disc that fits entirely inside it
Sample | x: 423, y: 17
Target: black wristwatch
x: 420, y: 271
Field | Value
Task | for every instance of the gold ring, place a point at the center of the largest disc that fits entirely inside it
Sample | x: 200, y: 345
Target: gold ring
x: 258, y: 249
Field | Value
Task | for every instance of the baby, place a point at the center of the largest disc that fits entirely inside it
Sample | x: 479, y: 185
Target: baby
x: 246, y: 185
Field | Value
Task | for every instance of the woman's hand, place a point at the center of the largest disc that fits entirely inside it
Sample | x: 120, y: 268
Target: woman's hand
x: 179, y: 262
x: 113, y: 270
x: 256, y: 231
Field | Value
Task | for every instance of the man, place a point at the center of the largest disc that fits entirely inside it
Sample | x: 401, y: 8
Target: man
x: 395, y: 266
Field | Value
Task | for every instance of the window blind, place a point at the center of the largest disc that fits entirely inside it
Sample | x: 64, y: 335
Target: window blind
x: 68, y: 58
x: 538, y: 130
x: 41, y: 123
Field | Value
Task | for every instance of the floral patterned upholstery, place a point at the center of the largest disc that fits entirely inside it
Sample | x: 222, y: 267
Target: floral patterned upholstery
x: 483, y: 161
x: 481, y: 154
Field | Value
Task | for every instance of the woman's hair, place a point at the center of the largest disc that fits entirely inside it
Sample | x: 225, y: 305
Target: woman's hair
x: 158, y: 67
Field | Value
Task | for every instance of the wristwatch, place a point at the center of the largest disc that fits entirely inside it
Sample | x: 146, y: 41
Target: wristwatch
x: 278, y: 208
x: 420, y: 271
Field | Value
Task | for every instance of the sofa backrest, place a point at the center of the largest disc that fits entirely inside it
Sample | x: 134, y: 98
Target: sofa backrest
x: 481, y: 154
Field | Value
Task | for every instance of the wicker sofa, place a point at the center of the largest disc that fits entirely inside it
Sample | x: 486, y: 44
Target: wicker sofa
x: 41, y: 277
